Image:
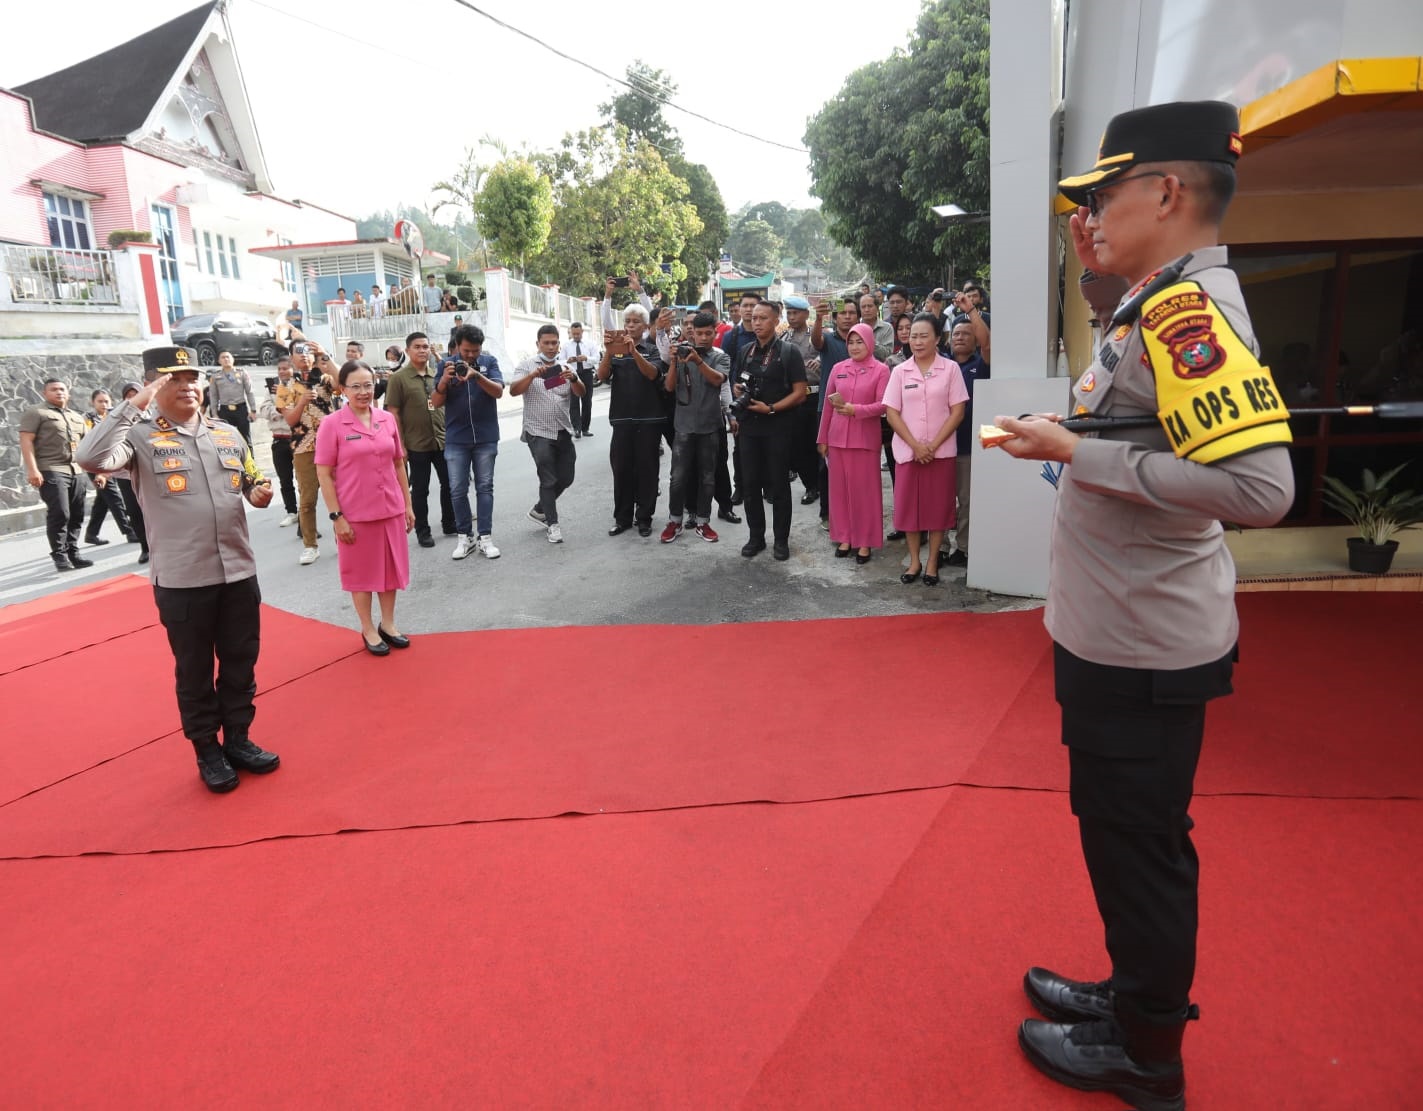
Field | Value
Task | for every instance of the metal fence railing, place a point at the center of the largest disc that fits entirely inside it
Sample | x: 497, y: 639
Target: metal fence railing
x: 54, y: 275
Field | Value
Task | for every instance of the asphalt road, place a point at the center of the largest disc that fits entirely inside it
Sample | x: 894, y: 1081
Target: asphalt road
x: 590, y: 579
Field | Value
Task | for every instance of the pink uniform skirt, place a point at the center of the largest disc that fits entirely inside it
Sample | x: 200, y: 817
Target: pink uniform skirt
x: 379, y: 559
x: 924, y: 496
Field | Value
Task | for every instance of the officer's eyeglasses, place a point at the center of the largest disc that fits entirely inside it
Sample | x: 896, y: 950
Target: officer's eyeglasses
x: 1094, y: 198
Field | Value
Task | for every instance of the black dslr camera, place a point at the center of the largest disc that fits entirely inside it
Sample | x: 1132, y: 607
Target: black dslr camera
x: 750, y: 391
x: 685, y: 349
x: 461, y: 369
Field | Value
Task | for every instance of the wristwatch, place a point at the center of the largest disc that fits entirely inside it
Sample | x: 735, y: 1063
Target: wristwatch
x: 337, y: 515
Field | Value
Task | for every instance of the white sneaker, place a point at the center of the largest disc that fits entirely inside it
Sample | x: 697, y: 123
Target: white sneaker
x: 289, y: 519
x: 462, y: 548
x: 555, y: 534
x: 485, y: 547
x: 309, y: 555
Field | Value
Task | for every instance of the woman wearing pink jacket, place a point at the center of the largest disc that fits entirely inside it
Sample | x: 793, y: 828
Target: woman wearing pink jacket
x: 850, y: 439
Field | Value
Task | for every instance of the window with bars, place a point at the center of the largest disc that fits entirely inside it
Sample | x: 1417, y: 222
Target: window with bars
x: 68, y: 220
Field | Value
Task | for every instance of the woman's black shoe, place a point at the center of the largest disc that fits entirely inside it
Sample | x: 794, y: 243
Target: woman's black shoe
x: 897, y: 534
x: 908, y: 577
x: 841, y: 553
x: 931, y: 580
x: 862, y: 559
x: 391, y: 639
x: 379, y: 648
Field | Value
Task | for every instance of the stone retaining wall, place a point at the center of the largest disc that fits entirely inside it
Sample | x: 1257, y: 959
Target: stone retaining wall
x: 21, y: 387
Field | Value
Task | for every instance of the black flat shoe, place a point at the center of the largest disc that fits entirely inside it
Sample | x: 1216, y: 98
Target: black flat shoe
x: 908, y: 577
x: 391, y: 639
x: 841, y: 553
x: 379, y: 648
x: 931, y: 580
x: 618, y: 530
x: 95, y: 541
x: 810, y: 497
x: 862, y: 559
x: 897, y: 534
x: 729, y: 516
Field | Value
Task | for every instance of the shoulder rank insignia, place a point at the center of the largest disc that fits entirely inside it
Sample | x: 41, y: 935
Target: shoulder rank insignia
x: 1215, y: 399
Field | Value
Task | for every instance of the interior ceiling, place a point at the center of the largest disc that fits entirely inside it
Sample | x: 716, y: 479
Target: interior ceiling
x: 1381, y: 149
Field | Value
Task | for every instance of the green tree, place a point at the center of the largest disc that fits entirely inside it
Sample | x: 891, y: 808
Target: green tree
x: 459, y: 190
x: 515, y: 209
x: 639, y: 109
x: 755, y: 246
x: 703, y: 250
x: 905, y: 134
x: 618, y: 207
x: 781, y: 218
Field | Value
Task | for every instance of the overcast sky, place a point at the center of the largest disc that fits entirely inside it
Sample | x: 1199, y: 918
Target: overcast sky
x: 360, y: 126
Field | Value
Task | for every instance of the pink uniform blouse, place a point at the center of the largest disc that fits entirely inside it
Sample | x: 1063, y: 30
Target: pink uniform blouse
x: 862, y: 385
x: 362, y: 462
x: 924, y: 400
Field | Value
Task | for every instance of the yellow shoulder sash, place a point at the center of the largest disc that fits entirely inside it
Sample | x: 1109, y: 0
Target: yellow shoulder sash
x: 1215, y: 399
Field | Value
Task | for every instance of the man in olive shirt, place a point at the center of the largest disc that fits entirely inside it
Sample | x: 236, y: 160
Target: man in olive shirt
x: 409, y: 394
x: 191, y: 474
x: 49, y: 436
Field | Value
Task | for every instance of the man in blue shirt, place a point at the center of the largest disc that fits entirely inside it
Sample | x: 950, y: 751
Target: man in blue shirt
x: 470, y: 384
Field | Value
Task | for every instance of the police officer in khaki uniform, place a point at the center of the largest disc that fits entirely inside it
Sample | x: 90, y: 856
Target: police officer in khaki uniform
x: 1141, y: 598
x: 190, y: 474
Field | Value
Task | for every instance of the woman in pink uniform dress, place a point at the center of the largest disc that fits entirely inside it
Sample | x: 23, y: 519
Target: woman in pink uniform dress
x: 924, y: 403
x: 360, y: 463
x: 850, y: 440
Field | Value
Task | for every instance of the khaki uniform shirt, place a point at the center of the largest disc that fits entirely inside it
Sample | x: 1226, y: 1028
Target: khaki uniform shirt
x: 407, y: 395
x: 57, y: 434
x: 191, y: 487
x: 228, y: 393
x: 1139, y: 575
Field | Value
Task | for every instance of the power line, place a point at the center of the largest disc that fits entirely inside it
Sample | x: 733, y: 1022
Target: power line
x: 625, y: 84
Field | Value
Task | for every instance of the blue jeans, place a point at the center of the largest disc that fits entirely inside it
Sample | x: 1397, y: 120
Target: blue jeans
x: 458, y: 460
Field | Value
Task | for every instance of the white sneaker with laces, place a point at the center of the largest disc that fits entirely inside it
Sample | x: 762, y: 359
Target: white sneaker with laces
x: 555, y: 534
x: 289, y: 519
x: 309, y: 555
x: 485, y: 547
x: 462, y: 548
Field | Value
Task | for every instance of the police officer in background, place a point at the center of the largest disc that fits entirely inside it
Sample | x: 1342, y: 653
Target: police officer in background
x: 190, y: 474
x: 1141, y: 603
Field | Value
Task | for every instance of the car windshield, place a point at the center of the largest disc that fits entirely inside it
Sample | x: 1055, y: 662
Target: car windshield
x: 191, y: 323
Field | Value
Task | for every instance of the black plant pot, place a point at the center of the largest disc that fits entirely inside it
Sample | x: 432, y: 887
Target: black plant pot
x: 1371, y: 559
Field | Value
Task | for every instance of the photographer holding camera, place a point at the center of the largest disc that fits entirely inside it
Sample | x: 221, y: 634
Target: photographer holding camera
x: 315, y: 401
x: 698, y: 380
x: 469, y: 386
x: 545, y: 383
x: 638, y: 417
x: 768, y: 380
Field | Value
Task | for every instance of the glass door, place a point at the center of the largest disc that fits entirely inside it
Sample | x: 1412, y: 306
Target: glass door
x: 165, y: 234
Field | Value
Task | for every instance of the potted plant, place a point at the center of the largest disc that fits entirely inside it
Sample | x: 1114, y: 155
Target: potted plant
x: 1377, y: 512
x: 119, y: 236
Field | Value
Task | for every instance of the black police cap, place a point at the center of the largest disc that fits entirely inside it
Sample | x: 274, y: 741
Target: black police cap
x: 1182, y: 131
x: 165, y: 360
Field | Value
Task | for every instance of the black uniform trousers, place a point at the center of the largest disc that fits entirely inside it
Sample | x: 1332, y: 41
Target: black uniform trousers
x: 63, y: 497
x: 286, y: 472
x: 580, y: 409
x: 1134, y: 737
x: 766, y: 467
x: 633, y: 456
x: 135, y: 513
x: 805, y: 460
x: 207, y: 622
x: 420, y: 463
x: 722, y: 490
x: 239, y: 418
x: 108, y: 501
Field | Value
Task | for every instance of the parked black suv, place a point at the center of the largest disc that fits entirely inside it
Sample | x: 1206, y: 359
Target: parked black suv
x: 249, y: 338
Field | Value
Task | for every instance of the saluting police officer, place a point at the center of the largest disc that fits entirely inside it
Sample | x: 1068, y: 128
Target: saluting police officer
x: 1141, y: 602
x: 190, y: 474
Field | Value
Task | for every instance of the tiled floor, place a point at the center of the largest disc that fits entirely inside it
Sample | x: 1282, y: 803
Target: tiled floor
x: 1317, y: 559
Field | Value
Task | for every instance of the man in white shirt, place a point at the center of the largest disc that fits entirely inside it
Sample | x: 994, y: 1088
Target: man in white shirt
x: 582, y: 355
x: 377, y: 304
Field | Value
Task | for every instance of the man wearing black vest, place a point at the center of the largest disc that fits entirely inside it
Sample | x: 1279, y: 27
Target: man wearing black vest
x: 769, y: 380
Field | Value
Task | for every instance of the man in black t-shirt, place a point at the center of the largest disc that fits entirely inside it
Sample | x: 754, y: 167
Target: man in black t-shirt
x: 769, y: 375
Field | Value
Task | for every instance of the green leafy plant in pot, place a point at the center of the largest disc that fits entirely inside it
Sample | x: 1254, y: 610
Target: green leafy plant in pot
x: 1378, y: 513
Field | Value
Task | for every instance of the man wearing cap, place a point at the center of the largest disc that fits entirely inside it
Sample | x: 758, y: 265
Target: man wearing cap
x: 1141, y: 602
x: 190, y: 474
x: 50, y: 435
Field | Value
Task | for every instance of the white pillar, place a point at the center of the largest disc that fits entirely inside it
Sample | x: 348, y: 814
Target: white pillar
x: 496, y: 313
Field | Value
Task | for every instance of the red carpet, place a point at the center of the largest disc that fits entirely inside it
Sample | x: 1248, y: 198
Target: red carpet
x: 858, y: 953
x: 49, y: 627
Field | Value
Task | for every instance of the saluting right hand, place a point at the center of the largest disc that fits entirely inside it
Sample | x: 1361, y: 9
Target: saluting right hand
x: 1082, y: 241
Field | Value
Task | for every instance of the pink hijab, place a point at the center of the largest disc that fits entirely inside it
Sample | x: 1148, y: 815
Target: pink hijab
x: 866, y: 333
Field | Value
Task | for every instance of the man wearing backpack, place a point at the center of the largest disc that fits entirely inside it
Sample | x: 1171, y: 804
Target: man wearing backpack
x: 769, y: 381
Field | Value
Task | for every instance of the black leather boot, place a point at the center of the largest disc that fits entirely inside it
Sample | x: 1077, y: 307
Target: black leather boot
x: 1095, y: 1057
x: 1063, y: 1000
x: 217, y: 773
x: 242, y: 753
x: 78, y: 560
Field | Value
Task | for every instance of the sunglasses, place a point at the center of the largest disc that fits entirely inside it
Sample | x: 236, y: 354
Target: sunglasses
x: 1094, y: 198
